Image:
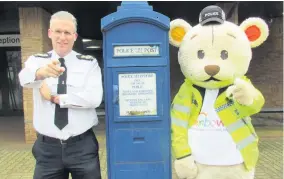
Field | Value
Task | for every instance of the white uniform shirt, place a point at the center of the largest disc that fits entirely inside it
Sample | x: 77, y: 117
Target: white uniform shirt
x: 209, y: 139
x: 84, y: 94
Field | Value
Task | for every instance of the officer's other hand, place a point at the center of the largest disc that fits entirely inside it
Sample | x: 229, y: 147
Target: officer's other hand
x: 45, y: 91
x: 56, y: 99
x: 52, y: 69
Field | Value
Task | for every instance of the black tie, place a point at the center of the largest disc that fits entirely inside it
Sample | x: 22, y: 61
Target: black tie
x: 61, y: 114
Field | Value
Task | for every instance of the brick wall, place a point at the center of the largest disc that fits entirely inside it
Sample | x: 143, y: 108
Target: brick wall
x: 34, y: 23
x: 266, y: 69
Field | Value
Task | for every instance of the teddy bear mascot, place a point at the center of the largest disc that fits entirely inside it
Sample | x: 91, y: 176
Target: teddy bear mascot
x: 212, y: 133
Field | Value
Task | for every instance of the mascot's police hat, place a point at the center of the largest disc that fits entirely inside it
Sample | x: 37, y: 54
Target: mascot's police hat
x: 211, y: 14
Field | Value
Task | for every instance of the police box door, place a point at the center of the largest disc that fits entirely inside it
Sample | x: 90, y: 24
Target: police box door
x: 140, y: 128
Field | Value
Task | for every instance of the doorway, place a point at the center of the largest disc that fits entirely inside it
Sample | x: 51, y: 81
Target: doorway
x: 11, y: 96
x: 11, y: 92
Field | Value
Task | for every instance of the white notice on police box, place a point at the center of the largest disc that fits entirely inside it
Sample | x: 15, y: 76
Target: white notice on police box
x: 137, y: 94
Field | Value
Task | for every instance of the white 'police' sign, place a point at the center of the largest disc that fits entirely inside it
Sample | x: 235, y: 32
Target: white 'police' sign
x: 137, y: 50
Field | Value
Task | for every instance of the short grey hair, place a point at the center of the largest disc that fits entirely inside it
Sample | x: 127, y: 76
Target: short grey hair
x: 64, y: 15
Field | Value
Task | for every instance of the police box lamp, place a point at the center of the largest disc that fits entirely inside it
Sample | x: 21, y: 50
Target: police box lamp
x: 211, y: 14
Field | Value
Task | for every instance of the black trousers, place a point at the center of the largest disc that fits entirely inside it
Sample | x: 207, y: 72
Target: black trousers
x: 56, y: 159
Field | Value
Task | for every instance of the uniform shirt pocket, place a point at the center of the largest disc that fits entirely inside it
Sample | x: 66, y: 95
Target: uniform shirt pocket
x: 76, y: 80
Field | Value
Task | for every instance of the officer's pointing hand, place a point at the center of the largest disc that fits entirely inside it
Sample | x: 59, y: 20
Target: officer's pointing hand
x: 52, y: 69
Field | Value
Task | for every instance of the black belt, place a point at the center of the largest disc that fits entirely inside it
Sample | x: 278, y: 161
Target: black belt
x: 47, y: 139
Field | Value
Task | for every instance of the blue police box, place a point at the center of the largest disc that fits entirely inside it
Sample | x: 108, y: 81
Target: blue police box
x: 137, y: 92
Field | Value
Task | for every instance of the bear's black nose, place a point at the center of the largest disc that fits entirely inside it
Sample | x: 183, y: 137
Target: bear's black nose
x: 212, y: 70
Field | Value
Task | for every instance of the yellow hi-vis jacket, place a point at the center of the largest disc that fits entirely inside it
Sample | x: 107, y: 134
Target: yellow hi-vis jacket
x: 185, y: 110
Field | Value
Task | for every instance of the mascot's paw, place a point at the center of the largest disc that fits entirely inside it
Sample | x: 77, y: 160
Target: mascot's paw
x: 243, y: 92
x: 186, y: 168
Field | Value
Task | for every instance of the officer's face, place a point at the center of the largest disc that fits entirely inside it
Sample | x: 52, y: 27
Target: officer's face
x: 62, y: 34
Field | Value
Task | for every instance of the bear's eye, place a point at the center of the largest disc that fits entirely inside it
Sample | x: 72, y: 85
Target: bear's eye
x: 224, y: 54
x: 200, y: 54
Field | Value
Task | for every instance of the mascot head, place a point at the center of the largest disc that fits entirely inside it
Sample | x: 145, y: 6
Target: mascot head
x: 215, y: 52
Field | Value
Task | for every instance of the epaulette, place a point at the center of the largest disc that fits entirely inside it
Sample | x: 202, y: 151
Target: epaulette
x: 85, y: 57
x: 43, y: 55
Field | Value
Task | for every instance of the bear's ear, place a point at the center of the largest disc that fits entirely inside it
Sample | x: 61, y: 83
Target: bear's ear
x: 256, y: 30
x: 178, y: 29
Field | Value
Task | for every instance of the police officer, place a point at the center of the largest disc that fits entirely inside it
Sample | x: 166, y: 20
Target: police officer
x: 67, y: 87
